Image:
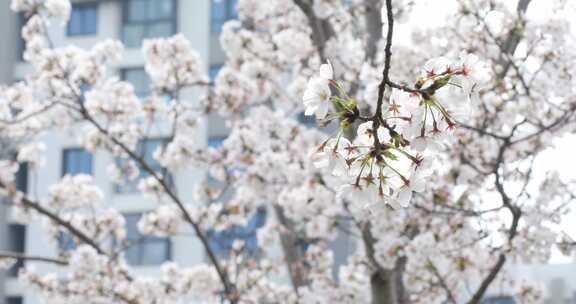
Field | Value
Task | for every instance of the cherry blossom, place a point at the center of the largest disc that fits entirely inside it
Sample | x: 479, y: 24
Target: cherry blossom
x: 421, y: 156
x: 316, y: 97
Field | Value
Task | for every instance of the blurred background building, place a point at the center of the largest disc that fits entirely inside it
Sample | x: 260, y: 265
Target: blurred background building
x: 132, y: 21
x: 558, y: 282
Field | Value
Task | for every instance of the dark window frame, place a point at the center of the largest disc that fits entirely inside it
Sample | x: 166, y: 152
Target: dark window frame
x: 17, y: 245
x: 147, y: 23
x: 14, y: 300
x: 218, y: 139
x: 75, y: 149
x: 230, y: 14
x: 214, y: 69
x: 145, y: 239
x: 21, y: 21
x: 84, y: 5
x: 22, y: 177
x: 496, y: 299
x: 307, y: 120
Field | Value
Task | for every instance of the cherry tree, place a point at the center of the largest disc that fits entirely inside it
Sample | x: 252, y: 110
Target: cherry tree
x: 424, y: 155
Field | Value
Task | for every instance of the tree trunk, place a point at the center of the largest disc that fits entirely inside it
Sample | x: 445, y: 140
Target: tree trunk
x: 292, y: 251
x: 386, y: 284
x: 382, y: 286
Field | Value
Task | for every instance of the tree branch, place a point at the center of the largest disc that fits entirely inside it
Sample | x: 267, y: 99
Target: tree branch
x: 373, y: 27
x: 292, y: 254
x: 321, y: 28
x: 228, y: 286
x: 516, y: 214
x: 387, y: 59
x: 19, y: 256
x: 449, y: 295
x: 55, y: 218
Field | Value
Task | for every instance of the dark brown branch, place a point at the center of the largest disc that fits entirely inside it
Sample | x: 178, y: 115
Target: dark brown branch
x: 379, y: 280
x: 377, y: 118
x: 56, y: 219
x: 513, y: 40
x: 321, y: 28
x: 449, y: 295
x: 527, y: 178
x: 30, y: 115
x: 228, y: 286
x: 19, y: 256
x: 292, y: 253
x: 373, y: 25
x: 387, y: 60
x: 481, y: 131
x: 564, y: 118
x: 455, y: 210
x: 516, y: 214
x: 507, y: 49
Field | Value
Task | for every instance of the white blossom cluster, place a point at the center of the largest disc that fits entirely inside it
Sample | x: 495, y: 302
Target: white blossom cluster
x: 59, y: 9
x: 33, y: 154
x: 313, y: 205
x: 177, y: 153
x: 7, y: 171
x: 113, y: 99
x: 172, y: 63
x: 391, y: 166
x: 163, y: 221
x: 75, y: 191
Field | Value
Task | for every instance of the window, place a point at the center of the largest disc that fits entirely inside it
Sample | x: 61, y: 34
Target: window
x: 221, y: 241
x: 22, y: 177
x: 222, y: 11
x: 76, y: 161
x: 14, y: 300
x: 65, y: 242
x: 216, y: 141
x: 83, y: 19
x: 147, y: 19
x: 213, y: 70
x: 308, y: 120
x: 17, y: 244
x: 144, y: 249
x: 146, y: 149
x: 499, y: 300
x: 139, y: 79
x: 21, y: 44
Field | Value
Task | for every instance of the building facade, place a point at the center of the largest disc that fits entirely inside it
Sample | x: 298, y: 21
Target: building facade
x: 130, y: 21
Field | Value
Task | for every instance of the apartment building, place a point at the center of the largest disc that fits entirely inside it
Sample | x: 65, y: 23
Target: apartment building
x: 130, y: 21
